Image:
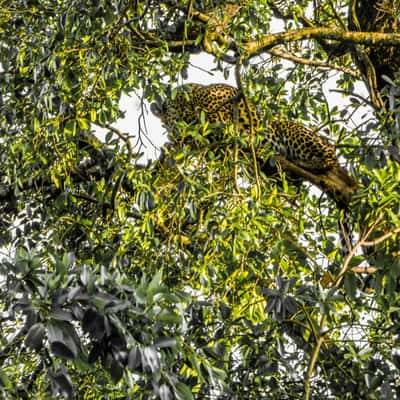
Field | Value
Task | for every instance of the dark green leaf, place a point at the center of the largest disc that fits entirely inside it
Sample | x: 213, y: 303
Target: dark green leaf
x: 34, y: 337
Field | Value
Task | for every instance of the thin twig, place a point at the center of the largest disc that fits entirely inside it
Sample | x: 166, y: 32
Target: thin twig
x: 121, y: 135
x: 252, y: 130
x: 364, y: 270
x: 381, y: 239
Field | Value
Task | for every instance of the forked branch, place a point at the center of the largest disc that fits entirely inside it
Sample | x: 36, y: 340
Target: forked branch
x: 363, y: 241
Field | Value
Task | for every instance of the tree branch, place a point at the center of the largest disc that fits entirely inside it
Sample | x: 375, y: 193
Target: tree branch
x: 300, y: 60
x: 328, y: 182
x: 366, y: 38
x: 364, y: 270
x: 123, y: 136
x: 381, y: 238
x: 265, y: 44
x: 337, y: 282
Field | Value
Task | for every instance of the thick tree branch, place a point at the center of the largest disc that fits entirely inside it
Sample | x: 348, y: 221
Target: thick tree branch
x: 271, y: 40
x: 327, y: 182
x: 268, y: 42
x: 366, y: 38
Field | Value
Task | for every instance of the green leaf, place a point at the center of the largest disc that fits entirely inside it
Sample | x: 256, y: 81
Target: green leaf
x: 182, y: 392
x: 5, y: 381
x: 70, y: 127
x: 69, y: 259
x: 350, y: 284
x: 93, y: 115
x: 169, y: 316
x: 64, y: 341
x: 155, y: 283
x: 134, y: 359
x: 35, y: 336
x: 83, y: 123
x: 163, y: 342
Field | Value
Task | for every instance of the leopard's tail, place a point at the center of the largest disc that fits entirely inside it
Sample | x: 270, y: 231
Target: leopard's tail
x: 345, y: 231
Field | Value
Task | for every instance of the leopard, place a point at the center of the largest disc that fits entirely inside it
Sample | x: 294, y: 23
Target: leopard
x: 223, y: 104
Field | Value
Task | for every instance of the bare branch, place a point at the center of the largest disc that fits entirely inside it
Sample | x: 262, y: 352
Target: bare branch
x: 364, y: 270
x: 381, y: 238
x: 300, y: 60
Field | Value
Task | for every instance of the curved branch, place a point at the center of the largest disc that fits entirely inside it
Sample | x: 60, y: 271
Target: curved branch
x: 367, y: 38
x: 299, y: 60
x: 122, y: 136
x: 239, y: 81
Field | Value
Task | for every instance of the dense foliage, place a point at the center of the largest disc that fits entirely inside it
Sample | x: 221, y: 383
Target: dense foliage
x: 196, y: 276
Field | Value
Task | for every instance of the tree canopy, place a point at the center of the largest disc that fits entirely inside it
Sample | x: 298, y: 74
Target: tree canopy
x: 197, y: 275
